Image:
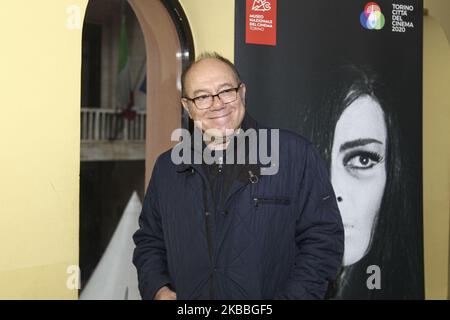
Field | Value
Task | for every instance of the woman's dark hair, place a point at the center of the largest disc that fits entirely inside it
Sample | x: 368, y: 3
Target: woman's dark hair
x: 394, y: 245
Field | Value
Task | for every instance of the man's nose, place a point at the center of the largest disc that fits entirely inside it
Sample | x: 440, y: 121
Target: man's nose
x: 217, y: 103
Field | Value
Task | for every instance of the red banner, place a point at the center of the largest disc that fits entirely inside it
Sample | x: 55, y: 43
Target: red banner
x: 261, y: 22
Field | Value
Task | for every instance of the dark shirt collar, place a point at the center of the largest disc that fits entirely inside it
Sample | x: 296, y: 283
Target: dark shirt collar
x: 247, y: 123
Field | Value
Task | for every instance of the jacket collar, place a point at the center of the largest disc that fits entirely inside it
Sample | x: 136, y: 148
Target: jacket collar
x: 247, y: 123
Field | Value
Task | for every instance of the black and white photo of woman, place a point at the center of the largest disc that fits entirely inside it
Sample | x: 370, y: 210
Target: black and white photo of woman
x: 356, y: 129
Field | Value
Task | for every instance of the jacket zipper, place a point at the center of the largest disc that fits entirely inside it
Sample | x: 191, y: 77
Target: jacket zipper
x: 208, y: 226
x: 209, y: 237
x: 210, y: 251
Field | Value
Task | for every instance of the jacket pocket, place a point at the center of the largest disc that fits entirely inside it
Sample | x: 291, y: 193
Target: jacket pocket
x: 257, y: 201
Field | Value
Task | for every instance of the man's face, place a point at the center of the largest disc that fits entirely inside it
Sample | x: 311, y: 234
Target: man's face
x: 210, y: 77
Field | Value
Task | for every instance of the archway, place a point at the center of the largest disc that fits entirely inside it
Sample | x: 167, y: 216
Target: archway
x: 168, y: 47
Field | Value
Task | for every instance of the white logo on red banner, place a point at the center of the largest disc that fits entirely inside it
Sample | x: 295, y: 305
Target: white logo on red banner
x: 261, y: 5
x: 261, y: 22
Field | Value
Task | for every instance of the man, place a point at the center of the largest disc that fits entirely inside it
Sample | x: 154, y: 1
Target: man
x: 226, y: 230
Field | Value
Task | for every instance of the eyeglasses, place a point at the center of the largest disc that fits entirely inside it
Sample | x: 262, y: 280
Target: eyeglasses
x: 206, y: 101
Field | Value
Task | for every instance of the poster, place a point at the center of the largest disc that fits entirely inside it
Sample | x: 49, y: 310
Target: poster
x: 347, y: 75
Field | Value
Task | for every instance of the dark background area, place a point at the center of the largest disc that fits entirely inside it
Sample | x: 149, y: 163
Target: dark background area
x: 315, y: 36
x: 91, y: 65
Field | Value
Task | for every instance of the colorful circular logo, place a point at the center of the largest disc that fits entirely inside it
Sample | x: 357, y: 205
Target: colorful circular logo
x: 372, y: 18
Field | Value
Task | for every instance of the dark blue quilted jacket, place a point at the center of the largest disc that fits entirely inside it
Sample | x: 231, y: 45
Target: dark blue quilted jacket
x: 281, y: 238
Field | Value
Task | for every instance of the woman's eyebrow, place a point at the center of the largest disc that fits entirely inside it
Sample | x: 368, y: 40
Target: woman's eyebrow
x: 357, y: 143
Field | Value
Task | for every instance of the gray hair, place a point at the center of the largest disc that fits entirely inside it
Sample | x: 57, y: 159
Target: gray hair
x: 203, y: 56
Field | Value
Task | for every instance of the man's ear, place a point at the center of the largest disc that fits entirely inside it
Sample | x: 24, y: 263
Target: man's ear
x: 243, y: 91
x: 185, y: 104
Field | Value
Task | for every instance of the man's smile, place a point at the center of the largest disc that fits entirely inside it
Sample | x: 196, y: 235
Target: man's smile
x: 220, y: 116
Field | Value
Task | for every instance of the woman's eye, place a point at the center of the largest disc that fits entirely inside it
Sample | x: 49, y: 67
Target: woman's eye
x: 362, y: 160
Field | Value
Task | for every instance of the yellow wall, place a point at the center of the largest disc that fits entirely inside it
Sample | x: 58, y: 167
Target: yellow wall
x: 436, y: 145
x: 212, y: 25
x: 40, y: 148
